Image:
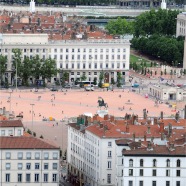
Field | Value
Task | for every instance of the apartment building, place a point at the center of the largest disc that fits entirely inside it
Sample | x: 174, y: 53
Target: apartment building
x: 157, y: 165
x: 95, y: 149
x: 181, y: 24
x: 26, y: 160
x: 77, y: 57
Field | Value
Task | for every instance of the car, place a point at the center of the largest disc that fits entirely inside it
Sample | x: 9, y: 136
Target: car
x: 68, y: 86
x: 54, y: 89
x: 89, y: 88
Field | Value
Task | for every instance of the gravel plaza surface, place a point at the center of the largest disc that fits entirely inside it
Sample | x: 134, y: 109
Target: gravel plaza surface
x: 61, y: 105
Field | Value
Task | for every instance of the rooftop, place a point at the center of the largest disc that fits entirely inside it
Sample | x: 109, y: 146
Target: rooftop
x: 11, y: 123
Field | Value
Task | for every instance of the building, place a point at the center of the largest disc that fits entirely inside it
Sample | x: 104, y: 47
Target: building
x: 77, y: 57
x: 11, y: 128
x: 155, y: 165
x: 26, y: 159
x: 167, y: 92
x: 181, y: 24
x: 95, y: 147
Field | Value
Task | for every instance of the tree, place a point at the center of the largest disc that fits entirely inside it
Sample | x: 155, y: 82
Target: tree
x: 83, y: 77
x: 36, y: 67
x: 95, y: 80
x: 3, y: 61
x: 119, y: 78
x: 17, y: 61
x: 48, y: 69
x: 101, y: 77
x: 119, y: 27
x: 165, y: 71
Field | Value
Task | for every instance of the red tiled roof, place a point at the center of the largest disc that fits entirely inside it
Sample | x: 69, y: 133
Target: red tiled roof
x: 158, y: 150
x: 11, y: 123
x: 23, y: 142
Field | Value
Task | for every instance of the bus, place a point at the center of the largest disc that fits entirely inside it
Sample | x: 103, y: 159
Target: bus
x: 85, y: 83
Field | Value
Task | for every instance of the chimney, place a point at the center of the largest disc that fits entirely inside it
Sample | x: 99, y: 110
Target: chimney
x: 149, y: 121
x: 112, y: 118
x: 106, y: 117
x: 161, y: 114
x: 162, y: 136
x: 127, y: 128
x: 148, y: 129
x: 149, y: 146
x: 145, y: 137
x: 177, y: 116
x: 161, y: 127
x: 155, y: 121
x: 171, y: 146
x: 100, y: 125
x: 133, y: 136
x: 169, y: 129
x: 144, y: 114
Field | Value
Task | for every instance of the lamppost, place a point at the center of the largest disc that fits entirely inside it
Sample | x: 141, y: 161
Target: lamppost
x: 32, y: 117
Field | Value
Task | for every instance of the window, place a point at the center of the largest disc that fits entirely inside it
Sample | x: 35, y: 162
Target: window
x: 20, y: 155
x: 27, y: 177
x: 36, y: 165
x: 118, y: 50
x: 130, y: 183
x: 101, y: 65
x: 55, y: 50
x: 124, y: 57
x: 84, y: 66
x: 19, y: 177
x: 178, y: 172
x: 78, y: 50
x: 46, y: 155
x: 78, y: 57
x: 45, y: 178
x: 154, y: 163
x: 130, y: 172
x: 112, y: 65
x: 2, y: 132
x: 45, y: 166
x: 108, y: 178
x: 61, y: 57
x: 66, y: 49
x: 28, y: 155
x: 140, y: 183
x: 101, y: 50
x: 122, y: 161
x: 109, y: 144
x: 107, y: 56
x: 167, y: 183
x: 19, y: 166
x: 89, y: 65
x: 153, y: 183
x: 167, y: 172
x: 10, y: 132
x: 19, y: 132
x: 36, y: 177
x: 72, y: 57
x: 54, y: 177
x: 37, y: 155
x: 178, y: 163
x: 95, y: 73
x: 54, y: 166
x: 177, y: 183
x: 101, y: 56
x: 118, y: 56
x: 141, y: 172
x: 28, y: 166
x: 124, y: 50
x: 130, y: 163
x: 7, y: 177
x: 66, y: 57
x: 141, y: 162
x: 8, y: 155
x: 7, y: 166
x: 109, y: 154
x: 55, y: 56
x: 168, y: 163
x: 112, y: 56
x: 84, y: 57
x: 96, y: 57
x: 72, y: 49
x: 154, y: 172
x: 95, y: 65
x: 78, y: 66
x: 109, y: 164
x: 55, y: 155
x: 106, y: 65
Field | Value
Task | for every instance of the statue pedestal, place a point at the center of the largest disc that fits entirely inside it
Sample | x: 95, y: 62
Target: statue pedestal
x: 101, y: 113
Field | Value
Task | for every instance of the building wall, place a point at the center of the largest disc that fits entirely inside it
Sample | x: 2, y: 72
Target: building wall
x: 89, y: 57
x: 181, y: 25
x: 14, y: 169
x: 148, y: 168
x: 11, y: 131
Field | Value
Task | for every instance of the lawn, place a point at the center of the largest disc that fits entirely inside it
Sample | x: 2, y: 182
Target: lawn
x: 138, y: 60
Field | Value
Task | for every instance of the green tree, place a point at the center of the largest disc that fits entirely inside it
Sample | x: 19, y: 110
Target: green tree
x: 36, y: 67
x: 95, y: 80
x: 83, y: 77
x: 119, y: 27
x: 3, y: 61
x: 17, y: 61
x: 48, y: 69
x: 101, y: 77
x: 119, y: 78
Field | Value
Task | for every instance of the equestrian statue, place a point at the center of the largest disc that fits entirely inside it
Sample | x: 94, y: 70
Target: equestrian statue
x: 101, y: 103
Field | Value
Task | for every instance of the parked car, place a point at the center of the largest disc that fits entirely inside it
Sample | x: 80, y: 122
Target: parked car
x: 89, y: 88
x: 68, y: 86
x: 54, y: 89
